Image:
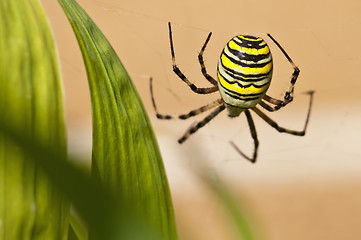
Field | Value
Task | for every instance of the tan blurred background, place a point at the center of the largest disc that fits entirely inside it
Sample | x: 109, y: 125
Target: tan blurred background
x: 301, y: 187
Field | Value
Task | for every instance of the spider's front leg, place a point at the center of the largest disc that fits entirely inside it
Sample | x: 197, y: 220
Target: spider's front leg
x: 179, y: 73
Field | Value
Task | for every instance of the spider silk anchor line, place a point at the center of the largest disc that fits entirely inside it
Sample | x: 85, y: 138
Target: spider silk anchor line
x: 244, y: 74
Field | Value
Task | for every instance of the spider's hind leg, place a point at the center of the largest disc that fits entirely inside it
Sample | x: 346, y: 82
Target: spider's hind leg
x: 273, y: 124
x: 200, y: 124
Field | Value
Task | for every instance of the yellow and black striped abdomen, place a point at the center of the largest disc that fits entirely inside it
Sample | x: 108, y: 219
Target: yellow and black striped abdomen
x: 244, y: 72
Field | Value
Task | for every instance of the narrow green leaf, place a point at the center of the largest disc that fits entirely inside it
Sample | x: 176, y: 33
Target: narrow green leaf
x: 31, y: 98
x: 77, y: 231
x: 125, y: 152
x: 241, y: 223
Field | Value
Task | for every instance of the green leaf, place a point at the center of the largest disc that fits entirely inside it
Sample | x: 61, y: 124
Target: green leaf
x: 241, y: 223
x: 94, y: 203
x: 125, y: 152
x: 31, y: 99
x: 77, y: 231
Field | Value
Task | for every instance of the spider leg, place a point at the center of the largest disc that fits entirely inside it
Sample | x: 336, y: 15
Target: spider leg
x: 278, y: 103
x: 267, y: 107
x: 177, y: 71
x: 200, y: 124
x: 201, y: 62
x: 289, y: 92
x: 282, y: 129
x: 252, y: 127
x: 182, y: 116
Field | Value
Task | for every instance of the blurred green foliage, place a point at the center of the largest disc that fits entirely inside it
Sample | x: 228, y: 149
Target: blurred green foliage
x: 126, y: 196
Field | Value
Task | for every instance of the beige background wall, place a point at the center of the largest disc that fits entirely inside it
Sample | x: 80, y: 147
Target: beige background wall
x: 301, y: 187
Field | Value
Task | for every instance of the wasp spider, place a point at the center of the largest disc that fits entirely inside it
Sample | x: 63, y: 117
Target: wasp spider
x: 244, y: 74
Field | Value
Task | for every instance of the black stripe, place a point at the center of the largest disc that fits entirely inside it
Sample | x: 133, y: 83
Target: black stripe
x: 248, y: 57
x: 240, y: 94
x: 245, y: 75
x: 249, y: 44
x: 252, y: 83
x: 248, y: 36
x: 253, y: 65
x: 248, y: 79
x: 240, y: 98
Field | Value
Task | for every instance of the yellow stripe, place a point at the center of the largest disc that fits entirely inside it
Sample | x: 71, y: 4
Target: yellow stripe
x: 252, y: 51
x: 246, y: 70
x: 250, y: 39
x: 242, y: 90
